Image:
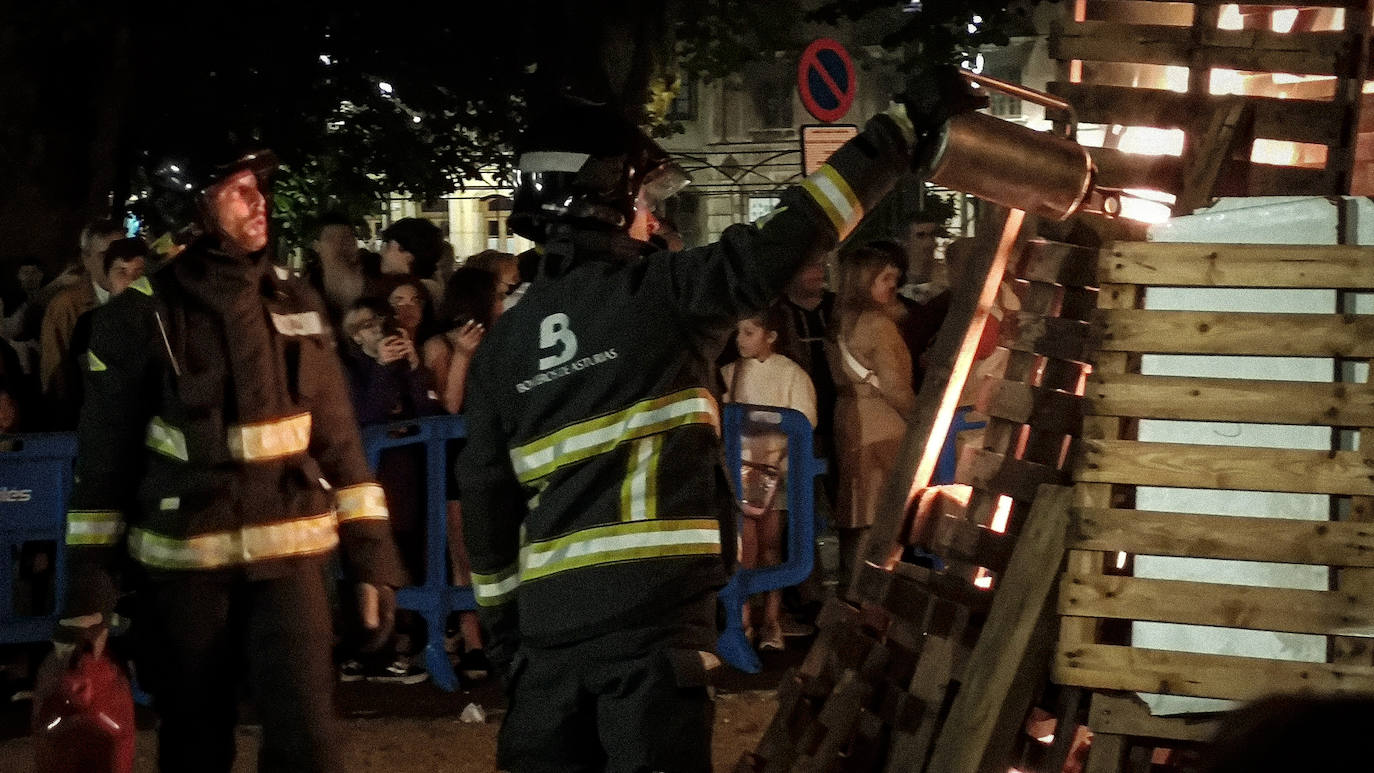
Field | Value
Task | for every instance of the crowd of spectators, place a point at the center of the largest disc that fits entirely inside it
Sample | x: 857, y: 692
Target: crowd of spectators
x: 409, y: 316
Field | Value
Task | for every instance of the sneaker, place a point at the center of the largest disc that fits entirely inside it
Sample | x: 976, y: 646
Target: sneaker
x: 350, y: 671
x: 771, y: 638
x: 473, y: 665
x: 401, y: 671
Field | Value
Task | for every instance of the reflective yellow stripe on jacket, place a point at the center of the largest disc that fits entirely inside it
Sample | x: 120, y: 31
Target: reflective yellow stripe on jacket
x: 592, y: 437
x: 613, y: 543
x: 266, y: 440
x: 217, y: 550
x: 832, y: 192
x: 166, y: 439
x: 94, y: 528
x: 497, y: 588
x: 361, y: 502
x: 599, y: 545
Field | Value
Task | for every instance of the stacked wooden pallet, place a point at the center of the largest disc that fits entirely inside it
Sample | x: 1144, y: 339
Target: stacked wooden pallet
x: 934, y: 670
x: 1110, y: 48
x: 1095, y: 649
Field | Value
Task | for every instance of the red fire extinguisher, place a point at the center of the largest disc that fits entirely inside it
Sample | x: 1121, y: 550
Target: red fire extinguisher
x: 83, y: 716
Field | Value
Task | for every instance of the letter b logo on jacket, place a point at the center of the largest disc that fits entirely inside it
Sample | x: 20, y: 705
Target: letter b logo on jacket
x: 555, y: 334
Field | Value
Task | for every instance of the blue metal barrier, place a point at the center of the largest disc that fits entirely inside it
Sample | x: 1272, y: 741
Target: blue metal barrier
x: 949, y: 456
x: 739, y: 419
x: 436, y: 598
x: 35, y: 481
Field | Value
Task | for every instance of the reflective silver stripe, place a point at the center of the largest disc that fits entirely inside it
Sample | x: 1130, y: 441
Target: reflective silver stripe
x: 496, y: 589
x: 639, y: 490
x: 618, y: 542
x: 361, y: 502
x: 274, y: 439
x: 589, y: 438
x: 166, y: 439
x: 298, y: 537
x: 835, y: 197
x: 94, y: 527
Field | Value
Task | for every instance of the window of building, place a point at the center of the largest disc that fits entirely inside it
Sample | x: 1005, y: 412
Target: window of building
x: 761, y: 205
x: 495, y: 211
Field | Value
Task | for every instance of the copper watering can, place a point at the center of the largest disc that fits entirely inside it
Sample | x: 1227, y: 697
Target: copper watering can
x: 1042, y: 173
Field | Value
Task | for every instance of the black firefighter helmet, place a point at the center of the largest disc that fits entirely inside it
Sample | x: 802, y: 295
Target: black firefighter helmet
x: 176, y: 209
x: 588, y: 167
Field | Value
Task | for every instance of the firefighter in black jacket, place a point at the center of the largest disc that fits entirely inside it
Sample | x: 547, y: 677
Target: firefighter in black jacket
x: 218, y: 451
x: 596, y: 507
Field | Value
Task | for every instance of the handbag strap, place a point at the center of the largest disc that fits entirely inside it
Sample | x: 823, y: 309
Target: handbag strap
x: 865, y: 375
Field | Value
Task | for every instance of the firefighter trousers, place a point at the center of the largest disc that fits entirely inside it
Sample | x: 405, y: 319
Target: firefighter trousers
x: 628, y: 701
x: 202, y: 637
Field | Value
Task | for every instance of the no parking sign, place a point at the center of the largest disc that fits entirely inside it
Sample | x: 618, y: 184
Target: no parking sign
x: 825, y: 79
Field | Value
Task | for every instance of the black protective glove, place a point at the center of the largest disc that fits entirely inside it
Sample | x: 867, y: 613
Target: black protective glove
x: 932, y: 96
x: 377, y: 611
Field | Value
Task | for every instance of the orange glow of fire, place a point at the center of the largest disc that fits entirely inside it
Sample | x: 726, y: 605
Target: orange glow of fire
x: 1002, y: 515
x: 1230, y: 18
x: 1282, y: 19
x: 963, y: 359
x: 983, y: 579
x: 1150, y: 141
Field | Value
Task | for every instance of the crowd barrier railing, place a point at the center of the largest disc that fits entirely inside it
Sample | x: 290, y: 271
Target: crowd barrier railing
x: 738, y: 420
x: 35, y: 481
x: 436, y: 598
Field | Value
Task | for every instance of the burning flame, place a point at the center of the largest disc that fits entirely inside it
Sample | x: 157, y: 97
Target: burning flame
x: 983, y: 579
x: 1002, y: 515
x: 1282, y: 19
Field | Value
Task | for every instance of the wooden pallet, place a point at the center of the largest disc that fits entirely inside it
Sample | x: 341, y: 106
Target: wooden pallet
x: 1101, y: 44
x: 926, y: 670
x: 1096, y: 600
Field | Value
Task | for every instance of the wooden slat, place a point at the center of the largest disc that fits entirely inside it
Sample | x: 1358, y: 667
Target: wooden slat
x: 1288, y: 3
x: 1183, y: 264
x: 1219, y: 332
x: 1220, y: 399
x: 1327, y: 613
x: 1063, y: 339
x: 1109, y: 667
x: 1283, y: 540
x: 1224, y: 467
x: 1267, y: 180
x: 1281, y: 119
x: 1307, y: 53
x: 971, y: 542
x: 1116, y: 169
x: 1065, y: 264
x: 1048, y: 410
x: 995, y: 694
x: 1128, y: 715
x: 1017, y: 478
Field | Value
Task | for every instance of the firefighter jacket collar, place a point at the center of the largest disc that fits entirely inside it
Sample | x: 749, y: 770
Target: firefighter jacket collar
x: 569, y: 247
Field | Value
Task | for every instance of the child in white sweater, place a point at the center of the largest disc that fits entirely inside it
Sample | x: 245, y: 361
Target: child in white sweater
x: 761, y: 376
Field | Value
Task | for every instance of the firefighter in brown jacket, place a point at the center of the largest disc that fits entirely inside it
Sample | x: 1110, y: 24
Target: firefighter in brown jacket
x: 219, y: 452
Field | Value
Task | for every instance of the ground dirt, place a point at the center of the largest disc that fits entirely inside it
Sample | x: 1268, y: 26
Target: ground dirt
x: 441, y: 744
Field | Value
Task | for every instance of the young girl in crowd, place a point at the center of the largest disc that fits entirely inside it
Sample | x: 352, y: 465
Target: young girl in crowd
x: 761, y: 376
x: 471, y: 303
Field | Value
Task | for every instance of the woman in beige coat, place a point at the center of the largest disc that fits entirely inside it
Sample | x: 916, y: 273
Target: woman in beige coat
x: 872, y: 370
